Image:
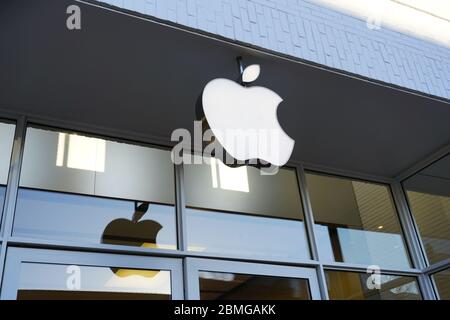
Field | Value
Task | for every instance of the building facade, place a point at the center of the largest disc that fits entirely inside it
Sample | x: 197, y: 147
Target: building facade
x: 93, y: 205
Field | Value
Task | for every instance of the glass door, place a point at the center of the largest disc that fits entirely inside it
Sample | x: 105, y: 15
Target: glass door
x: 50, y: 274
x: 229, y: 280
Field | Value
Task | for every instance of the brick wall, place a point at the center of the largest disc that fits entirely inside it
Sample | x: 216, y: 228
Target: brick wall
x: 304, y: 29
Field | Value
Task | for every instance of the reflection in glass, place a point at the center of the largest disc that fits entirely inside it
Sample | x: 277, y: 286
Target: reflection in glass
x: 59, y: 216
x: 88, y: 174
x: 79, y: 152
x: 442, y: 281
x: 2, y: 199
x: 245, y: 235
x: 239, y: 212
x: 356, y: 222
x: 226, y: 178
x: 132, y: 232
x: 6, y: 144
x: 70, y: 282
x: 428, y: 195
x: 74, y: 163
x: 344, y: 285
x: 231, y: 286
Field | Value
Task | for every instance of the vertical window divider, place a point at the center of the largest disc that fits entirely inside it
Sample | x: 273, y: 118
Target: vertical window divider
x: 413, y: 241
x: 309, y: 223
x: 407, y: 222
x: 12, y: 188
x: 427, y: 287
x: 434, y: 286
x: 180, y: 208
x: 181, y: 222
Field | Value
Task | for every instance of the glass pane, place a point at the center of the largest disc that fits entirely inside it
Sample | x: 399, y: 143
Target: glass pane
x: 238, y: 211
x: 70, y: 162
x: 70, y: 282
x: 428, y: 195
x: 2, y: 198
x: 231, y: 286
x: 59, y: 216
x: 442, y: 281
x: 356, y: 222
x: 76, y: 173
x: 344, y: 285
x: 6, y: 143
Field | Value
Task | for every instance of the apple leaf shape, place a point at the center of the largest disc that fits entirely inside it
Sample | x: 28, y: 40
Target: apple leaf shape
x: 251, y: 73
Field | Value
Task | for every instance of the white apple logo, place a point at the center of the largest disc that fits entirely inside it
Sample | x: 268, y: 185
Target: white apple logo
x: 244, y: 119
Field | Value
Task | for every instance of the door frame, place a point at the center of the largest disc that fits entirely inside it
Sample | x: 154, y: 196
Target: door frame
x: 194, y: 265
x: 16, y: 256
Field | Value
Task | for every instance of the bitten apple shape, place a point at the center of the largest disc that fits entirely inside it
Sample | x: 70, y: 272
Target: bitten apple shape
x: 244, y: 121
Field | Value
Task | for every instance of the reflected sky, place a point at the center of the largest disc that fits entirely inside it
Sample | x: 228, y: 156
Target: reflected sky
x: 58, y: 216
x: 244, y: 235
x: 361, y: 247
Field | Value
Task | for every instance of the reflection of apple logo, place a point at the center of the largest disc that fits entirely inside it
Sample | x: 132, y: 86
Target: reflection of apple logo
x: 234, y: 112
x: 131, y: 232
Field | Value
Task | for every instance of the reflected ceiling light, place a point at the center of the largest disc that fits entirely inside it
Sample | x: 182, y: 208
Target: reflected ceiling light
x: 226, y: 178
x: 380, y: 227
x: 427, y: 19
x: 220, y: 276
x: 196, y: 248
x: 79, y: 152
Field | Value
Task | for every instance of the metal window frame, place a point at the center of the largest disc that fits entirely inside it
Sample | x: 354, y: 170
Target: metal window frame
x: 12, y: 188
x: 412, y: 238
x: 428, y: 269
x: 17, y: 256
x: 431, y: 272
x: 405, y: 225
x: 194, y: 266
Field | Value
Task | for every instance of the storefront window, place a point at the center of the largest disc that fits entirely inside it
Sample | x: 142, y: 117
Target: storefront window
x: 428, y: 195
x: 2, y: 198
x: 39, y: 281
x: 6, y: 143
x: 356, y: 222
x: 344, y: 285
x: 231, y: 286
x: 239, y: 212
x: 442, y: 282
x: 80, y: 188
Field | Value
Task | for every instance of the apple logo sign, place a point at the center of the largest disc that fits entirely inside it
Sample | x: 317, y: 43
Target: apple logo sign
x: 244, y: 119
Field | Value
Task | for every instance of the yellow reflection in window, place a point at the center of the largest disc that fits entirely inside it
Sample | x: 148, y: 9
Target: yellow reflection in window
x: 150, y: 281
